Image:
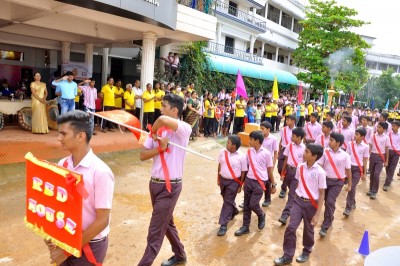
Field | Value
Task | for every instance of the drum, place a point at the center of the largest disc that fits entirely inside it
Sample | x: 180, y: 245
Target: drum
x: 25, y: 118
x: 1, y: 121
x: 52, y: 114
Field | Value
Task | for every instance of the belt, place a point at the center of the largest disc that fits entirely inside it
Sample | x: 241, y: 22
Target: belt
x: 304, y: 199
x: 158, y: 180
x: 67, y: 99
x: 98, y: 240
x: 229, y: 178
x: 290, y: 167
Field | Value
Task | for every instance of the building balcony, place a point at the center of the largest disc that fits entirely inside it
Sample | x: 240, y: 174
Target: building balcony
x: 227, y: 51
x: 239, y: 16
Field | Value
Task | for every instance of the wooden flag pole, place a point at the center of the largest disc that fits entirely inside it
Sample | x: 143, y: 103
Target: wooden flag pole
x: 147, y: 133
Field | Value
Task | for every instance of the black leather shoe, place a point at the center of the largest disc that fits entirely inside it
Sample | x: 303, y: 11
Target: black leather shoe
x: 346, y: 212
x: 369, y: 193
x: 173, y: 261
x: 302, y: 258
x: 261, y: 222
x: 282, y: 194
x: 222, y: 230
x: 242, y: 230
x: 282, y: 220
x: 323, y: 232
x: 266, y: 203
x: 282, y: 261
x: 385, y: 188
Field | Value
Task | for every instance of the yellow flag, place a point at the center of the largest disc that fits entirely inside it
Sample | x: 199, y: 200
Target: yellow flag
x: 275, y: 93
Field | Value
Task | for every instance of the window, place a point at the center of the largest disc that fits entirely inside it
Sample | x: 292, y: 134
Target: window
x: 281, y: 59
x: 382, y: 67
x: 371, y: 64
x: 229, y: 44
x: 268, y: 55
x: 261, y: 12
x: 286, y: 21
x: 273, y: 14
x: 297, y: 26
x: 232, y: 8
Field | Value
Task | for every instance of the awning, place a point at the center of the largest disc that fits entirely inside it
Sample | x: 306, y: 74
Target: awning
x: 231, y: 66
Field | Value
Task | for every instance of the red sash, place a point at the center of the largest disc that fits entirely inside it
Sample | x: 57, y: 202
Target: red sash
x: 391, y: 143
x: 333, y: 164
x: 323, y: 141
x: 344, y: 143
x: 309, y: 131
x: 291, y: 153
x: 353, y: 150
x: 254, y: 171
x: 284, y: 135
x: 377, y: 148
x: 313, y: 202
x: 231, y: 170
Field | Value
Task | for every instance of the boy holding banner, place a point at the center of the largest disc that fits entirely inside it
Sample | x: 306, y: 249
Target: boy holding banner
x: 359, y: 154
x: 293, y: 156
x: 307, y: 205
x: 74, y: 135
x: 260, y: 171
x: 232, y: 169
x: 337, y: 165
x: 394, y: 152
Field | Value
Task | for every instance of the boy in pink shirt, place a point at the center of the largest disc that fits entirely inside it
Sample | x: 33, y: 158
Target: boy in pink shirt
x: 364, y: 124
x: 307, y: 205
x: 324, y: 138
x: 293, y: 156
x: 394, y: 152
x: 379, y: 157
x: 260, y: 171
x: 359, y: 154
x: 312, y: 128
x: 347, y: 131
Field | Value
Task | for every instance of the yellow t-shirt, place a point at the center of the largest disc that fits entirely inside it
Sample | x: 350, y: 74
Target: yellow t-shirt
x: 118, y: 101
x: 148, y: 106
x: 108, y: 95
x: 77, y: 96
x: 180, y: 94
x: 209, y: 113
x: 302, y: 110
x: 289, y: 110
x: 129, y: 97
x: 310, y: 109
x: 274, y: 107
x: 240, y: 112
x: 190, y: 90
x: 268, y: 109
x: 319, y: 110
x: 325, y: 111
x: 159, y: 94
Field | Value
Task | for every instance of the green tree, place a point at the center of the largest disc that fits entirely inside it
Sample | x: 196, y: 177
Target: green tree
x: 326, y: 30
x: 387, y: 87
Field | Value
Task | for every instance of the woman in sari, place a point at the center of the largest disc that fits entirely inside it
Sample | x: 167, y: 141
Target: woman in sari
x: 193, y: 114
x: 39, y: 95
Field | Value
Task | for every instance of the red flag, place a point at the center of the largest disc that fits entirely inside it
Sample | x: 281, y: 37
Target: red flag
x: 124, y: 118
x: 300, y: 94
x: 351, y: 100
x: 396, y: 106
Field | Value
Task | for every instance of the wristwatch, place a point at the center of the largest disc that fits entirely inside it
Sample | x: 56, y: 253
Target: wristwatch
x: 274, y: 185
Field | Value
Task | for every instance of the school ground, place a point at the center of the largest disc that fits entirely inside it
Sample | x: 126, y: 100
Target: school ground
x: 196, y: 214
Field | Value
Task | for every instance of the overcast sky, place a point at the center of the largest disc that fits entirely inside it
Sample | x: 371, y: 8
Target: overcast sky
x: 384, y: 16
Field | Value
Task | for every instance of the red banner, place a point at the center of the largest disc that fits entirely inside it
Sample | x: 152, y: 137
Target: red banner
x: 53, y: 204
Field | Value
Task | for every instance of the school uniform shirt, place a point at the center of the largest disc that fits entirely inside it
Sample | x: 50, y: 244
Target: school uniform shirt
x: 271, y: 144
x: 118, y: 101
x: 323, y: 140
x: 370, y: 131
x: 394, y: 140
x: 237, y: 160
x: 341, y: 160
x: 298, y: 151
x: 381, y: 140
x: 159, y: 94
x: 175, y: 159
x: 354, y: 122
x: 98, y: 182
x: 286, y: 136
x: 362, y: 151
x: 348, y: 134
x: 315, y: 179
x: 262, y: 159
x: 389, y: 129
x: 312, y: 130
x: 108, y: 95
x: 129, y: 98
x: 148, y: 106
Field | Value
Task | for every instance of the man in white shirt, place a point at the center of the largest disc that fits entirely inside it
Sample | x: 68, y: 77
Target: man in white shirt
x: 138, y: 98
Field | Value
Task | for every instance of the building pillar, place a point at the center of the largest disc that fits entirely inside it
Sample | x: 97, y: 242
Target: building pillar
x: 276, y: 54
x: 280, y: 17
x: 291, y: 28
x: 262, y: 49
x: 252, y: 41
x: 219, y: 33
x: 104, y: 73
x: 266, y: 10
x: 289, y: 55
x: 147, y: 65
x: 89, y: 58
x: 53, y: 59
x: 65, y: 52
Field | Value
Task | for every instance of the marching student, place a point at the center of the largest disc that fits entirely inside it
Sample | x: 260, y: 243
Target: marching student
x: 394, y: 152
x: 271, y: 144
x: 359, y: 154
x: 364, y: 124
x: 312, y: 128
x: 286, y: 138
x: 324, y: 138
x: 379, y: 157
x: 260, y: 171
x: 293, y: 156
x: 330, y: 117
x: 307, y: 205
x: 347, y: 131
x: 232, y: 169
x: 383, y: 118
x: 337, y: 165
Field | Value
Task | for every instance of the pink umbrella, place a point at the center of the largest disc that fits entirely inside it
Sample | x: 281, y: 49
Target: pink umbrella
x: 300, y: 94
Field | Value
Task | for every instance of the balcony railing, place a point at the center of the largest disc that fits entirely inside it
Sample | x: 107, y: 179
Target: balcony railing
x: 220, y: 49
x: 245, y: 18
x: 202, y: 6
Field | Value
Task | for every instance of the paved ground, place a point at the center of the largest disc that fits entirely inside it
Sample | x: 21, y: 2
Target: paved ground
x: 196, y: 214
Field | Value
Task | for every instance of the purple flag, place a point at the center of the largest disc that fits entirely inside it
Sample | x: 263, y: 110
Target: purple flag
x: 240, y: 88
